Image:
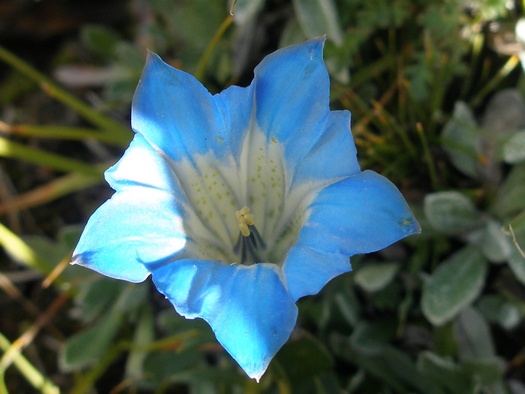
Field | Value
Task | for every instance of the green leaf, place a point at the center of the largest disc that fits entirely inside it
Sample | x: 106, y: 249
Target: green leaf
x: 292, y: 33
x: 163, y: 366
x: 314, y: 360
x: 97, y: 295
x: 454, y: 285
x: 348, y: 305
x: 100, y: 40
x: 50, y: 251
x: 497, y: 309
x: 444, y: 341
x: 374, y: 277
x: 319, y: 17
x: 460, y: 138
x: 509, y: 201
x: 372, y: 337
x: 514, y: 148
x: 69, y: 235
x: 485, y: 371
x: 393, y: 368
x: 495, y: 245
x: 444, y: 373
x: 144, y: 335
x: 473, y: 336
x: 517, y: 265
x: 450, y: 212
x: 88, y: 346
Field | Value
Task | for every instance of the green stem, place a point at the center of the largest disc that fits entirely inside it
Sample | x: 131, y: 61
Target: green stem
x: 32, y: 375
x: 57, y: 188
x: 201, y: 67
x: 428, y: 157
x: 15, y: 150
x: 22, y: 252
x: 53, y: 90
x: 502, y: 73
x: 62, y: 132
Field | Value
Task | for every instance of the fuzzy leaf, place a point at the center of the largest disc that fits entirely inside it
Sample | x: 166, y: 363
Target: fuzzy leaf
x: 454, y: 285
x: 514, y: 148
x: 319, y: 17
x: 450, y: 212
x: 374, y: 277
x: 459, y: 139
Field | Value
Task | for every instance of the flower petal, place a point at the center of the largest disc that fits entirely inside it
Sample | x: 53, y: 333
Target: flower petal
x: 360, y: 214
x: 134, y: 227
x: 235, y: 105
x: 334, y: 154
x: 175, y: 113
x: 142, y: 166
x: 316, y: 269
x: 247, y: 307
x: 292, y: 92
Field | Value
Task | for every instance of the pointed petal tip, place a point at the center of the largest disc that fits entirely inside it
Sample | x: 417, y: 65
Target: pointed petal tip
x: 255, y: 372
x: 412, y: 226
x: 154, y: 60
x: 315, y: 47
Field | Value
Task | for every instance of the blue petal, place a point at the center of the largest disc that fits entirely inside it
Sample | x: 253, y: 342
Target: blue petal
x: 334, y: 154
x: 292, y: 91
x: 144, y: 166
x: 316, y: 269
x: 137, y: 226
x: 175, y: 113
x: 235, y: 105
x: 360, y: 214
x: 247, y: 307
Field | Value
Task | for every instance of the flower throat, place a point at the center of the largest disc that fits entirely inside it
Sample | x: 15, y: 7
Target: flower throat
x: 250, y: 243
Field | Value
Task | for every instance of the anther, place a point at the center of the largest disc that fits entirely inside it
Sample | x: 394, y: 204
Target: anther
x: 244, y: 220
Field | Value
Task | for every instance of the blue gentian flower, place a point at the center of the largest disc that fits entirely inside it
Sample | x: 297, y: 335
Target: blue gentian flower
x: 240, y: 203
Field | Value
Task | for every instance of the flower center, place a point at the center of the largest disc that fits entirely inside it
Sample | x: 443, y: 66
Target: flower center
x: 250, y: 243
x: 257, y: 179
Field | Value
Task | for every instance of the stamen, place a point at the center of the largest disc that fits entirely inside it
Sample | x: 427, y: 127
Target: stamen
x: 250, y: 242
x: 244, y: 219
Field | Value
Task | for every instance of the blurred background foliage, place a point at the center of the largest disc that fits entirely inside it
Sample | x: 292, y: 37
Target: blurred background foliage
x: 436, y: 92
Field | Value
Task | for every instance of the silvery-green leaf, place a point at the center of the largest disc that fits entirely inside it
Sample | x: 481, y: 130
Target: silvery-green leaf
x: 319, y: 17
x: 473, y: 336
x: 495, y: 245
x: 460, y: 138
x: 450, y: 212
x: 514, y: 148
x: 374, y: 277
x: 517, y: 265
x: 454, y: 285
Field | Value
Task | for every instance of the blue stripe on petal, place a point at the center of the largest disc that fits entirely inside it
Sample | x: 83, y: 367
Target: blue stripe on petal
x: 360, y: 214
x: 247, y: 307
x: 174, y: 112
x: 307, y: 270
x: 137, y: 226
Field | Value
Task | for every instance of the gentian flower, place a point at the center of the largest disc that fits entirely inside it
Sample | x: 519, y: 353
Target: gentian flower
x: 240, y: 203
